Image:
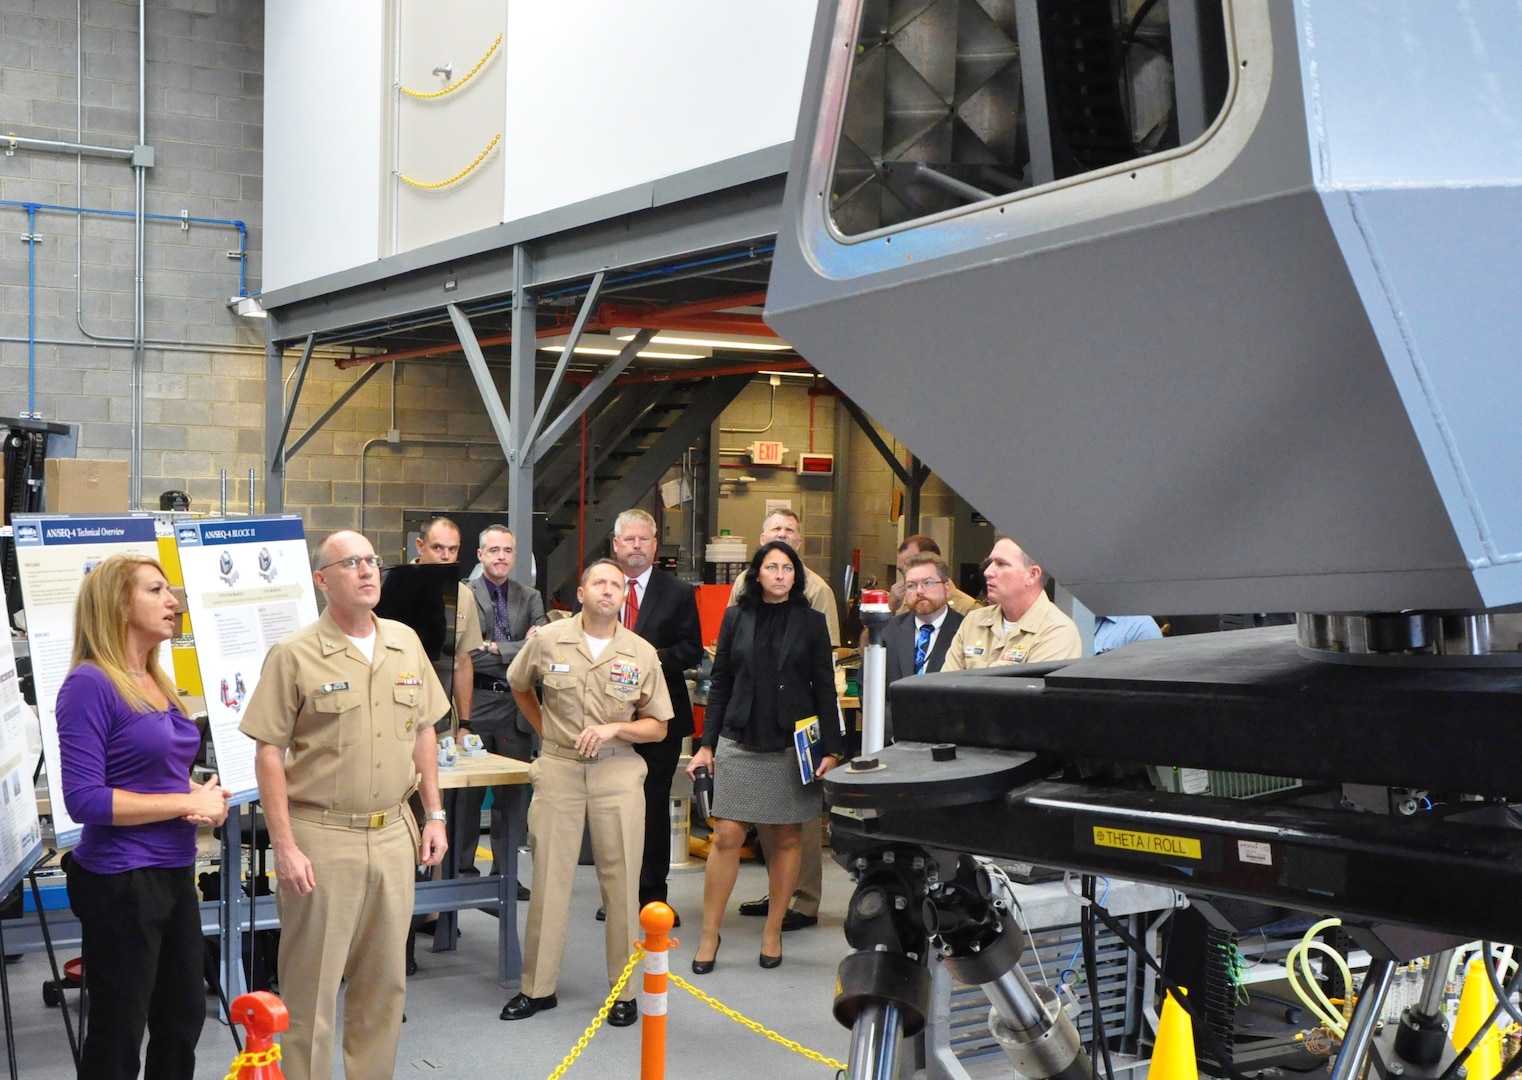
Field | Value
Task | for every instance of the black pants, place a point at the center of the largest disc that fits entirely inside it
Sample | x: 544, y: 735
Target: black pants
x: 509, y: 814
x: 660, y: 759
x: 142, y: 957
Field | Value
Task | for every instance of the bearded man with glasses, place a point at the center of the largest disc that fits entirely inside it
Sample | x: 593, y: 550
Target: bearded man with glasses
x: 918, y: 637
x: 343, y: 723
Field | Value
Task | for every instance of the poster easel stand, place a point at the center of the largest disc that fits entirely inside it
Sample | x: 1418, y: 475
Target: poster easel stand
x: 47, y: 942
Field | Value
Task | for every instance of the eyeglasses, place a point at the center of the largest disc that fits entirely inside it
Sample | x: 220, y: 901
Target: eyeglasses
x: 923, y: 586
x: 353, y: 562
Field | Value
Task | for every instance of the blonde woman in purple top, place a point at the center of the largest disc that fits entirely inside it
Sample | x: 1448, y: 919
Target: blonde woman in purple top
x: 126, y: 751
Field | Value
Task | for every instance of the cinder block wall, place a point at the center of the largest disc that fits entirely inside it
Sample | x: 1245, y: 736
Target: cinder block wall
x: 75, y: 80
x: 70, y: 80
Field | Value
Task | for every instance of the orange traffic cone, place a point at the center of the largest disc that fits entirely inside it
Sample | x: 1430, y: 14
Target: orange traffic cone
x: 1476, y: 1003
x: 262, y: 1015
x: 1173, y: 1052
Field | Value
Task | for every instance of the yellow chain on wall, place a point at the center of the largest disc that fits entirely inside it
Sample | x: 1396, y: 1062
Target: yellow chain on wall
x: 457, y: 177
x: 421, y: 96
x: 602, y: 1014
x: 797, y: 1048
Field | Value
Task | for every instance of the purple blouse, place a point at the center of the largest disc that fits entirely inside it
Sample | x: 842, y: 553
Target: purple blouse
x: 104, y: 744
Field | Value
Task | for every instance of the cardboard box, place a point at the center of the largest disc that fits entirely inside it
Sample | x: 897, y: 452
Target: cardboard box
x: 84, y: 486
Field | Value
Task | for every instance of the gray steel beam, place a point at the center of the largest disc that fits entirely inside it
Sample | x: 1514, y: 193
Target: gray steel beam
x: 274, y: 414
x: 488, y: 389
x: 278, y: 450
x: 1038, y: 119
x: 587, y: 305
x: 870, y: 431
x: 735, y: 217
x: 705, y: 408
x: 338, y: 403
x: 589, y: 393
x: 520, y: 465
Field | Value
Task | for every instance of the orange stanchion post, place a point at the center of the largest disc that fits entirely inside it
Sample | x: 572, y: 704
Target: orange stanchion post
x: 656, y: 919
x: 263, y: 1016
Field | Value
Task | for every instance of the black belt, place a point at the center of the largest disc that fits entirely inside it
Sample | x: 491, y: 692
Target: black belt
x: 496, y: 686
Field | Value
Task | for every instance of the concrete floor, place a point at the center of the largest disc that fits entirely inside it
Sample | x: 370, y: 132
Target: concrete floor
x: 453, y: 1002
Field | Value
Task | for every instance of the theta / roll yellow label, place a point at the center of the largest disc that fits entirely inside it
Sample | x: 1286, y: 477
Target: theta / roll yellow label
x: 1144, y: 843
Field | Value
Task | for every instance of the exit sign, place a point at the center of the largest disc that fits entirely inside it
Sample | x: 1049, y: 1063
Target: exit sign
x: 766, y: 453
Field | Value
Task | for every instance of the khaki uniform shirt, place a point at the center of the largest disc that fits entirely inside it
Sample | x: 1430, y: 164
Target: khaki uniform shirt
x: 817, y: 591
x: 1042, y: 633
x: 623, y: 684
x: 961, y: 603
x: 467, y: 627
x: 347, y: 726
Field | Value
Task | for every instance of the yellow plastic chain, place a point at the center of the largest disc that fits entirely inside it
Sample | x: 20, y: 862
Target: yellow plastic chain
x: 457, y: 177
x: 797, y: 1048
x: 471, y: 74
x: 602, y: 1014
x: 254, y: 1058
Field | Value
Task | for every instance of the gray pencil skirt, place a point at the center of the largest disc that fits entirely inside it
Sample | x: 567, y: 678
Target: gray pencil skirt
x: 762, y: 787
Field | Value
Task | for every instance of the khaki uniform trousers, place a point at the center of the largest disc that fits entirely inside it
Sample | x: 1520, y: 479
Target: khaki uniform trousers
x: 352, y: 926
x: 608, y: 798
x: 810, y: 888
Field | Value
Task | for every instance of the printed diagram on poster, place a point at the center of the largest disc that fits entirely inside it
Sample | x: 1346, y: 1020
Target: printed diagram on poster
x: 53, y: 555
x: 248, y: 584
x: 20, y: 831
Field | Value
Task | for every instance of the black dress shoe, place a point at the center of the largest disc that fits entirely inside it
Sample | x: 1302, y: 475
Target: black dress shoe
x: 523, y: 893
x: 769, y: 962
x: 797, y: 920
x: 756, y: 907
x: 623, y: 1013
x: 676, y: 920
x: 703, y: 967
x: 602, y: 914
x: 411, y: 965
x: 523, y: 1006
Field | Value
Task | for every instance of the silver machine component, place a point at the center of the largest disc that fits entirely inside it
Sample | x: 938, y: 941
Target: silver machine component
x: 1219, y: 302
x: 1266, y: 369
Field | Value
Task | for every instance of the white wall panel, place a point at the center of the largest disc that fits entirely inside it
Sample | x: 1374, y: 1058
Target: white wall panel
x: 605, y: 94
x: 325, y: 87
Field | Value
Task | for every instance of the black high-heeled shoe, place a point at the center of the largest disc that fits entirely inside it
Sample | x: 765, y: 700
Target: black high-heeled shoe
x: 769, y: 962
x: 703, y: 967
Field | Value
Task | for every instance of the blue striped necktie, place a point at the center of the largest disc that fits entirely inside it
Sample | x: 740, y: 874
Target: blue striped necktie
x: 922, y: 648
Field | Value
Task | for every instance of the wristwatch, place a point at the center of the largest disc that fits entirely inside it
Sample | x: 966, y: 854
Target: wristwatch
x: 437, y: 815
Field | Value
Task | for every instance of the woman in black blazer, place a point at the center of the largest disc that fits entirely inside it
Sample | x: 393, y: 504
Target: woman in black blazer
x: 773, y: 667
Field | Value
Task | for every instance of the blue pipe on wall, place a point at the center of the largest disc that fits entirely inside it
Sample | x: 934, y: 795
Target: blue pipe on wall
x: 32, y: 208
x: 31, y: 307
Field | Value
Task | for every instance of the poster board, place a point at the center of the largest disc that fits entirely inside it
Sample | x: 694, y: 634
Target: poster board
x: 248, y: 583
x: 54, y: 552
x: 20, y: 831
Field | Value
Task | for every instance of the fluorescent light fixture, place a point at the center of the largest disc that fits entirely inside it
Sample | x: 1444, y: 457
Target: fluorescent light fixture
x: 247, y: 307
x: 737, y: 342
x: 603, y: 345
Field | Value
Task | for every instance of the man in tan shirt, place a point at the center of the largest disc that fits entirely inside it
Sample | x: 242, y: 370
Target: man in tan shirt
x: 1020, y: 625
x: 920, y: 544
x: 603, y: 692
x: 343, y: 722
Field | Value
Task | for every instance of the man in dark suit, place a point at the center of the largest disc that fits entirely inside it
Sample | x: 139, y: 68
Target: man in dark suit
x: 508, y: 615
x: 918, y: 637
x: 663, y: 611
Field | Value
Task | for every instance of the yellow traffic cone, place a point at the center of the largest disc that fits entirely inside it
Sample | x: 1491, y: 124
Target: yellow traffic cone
x: 1476, y: 1003
x: 1173, y: 1052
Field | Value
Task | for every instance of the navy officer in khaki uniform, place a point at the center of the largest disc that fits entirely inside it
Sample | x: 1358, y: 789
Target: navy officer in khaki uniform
x: 343, y: 718
x: 1020, y: 625
x: 603, y: 692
